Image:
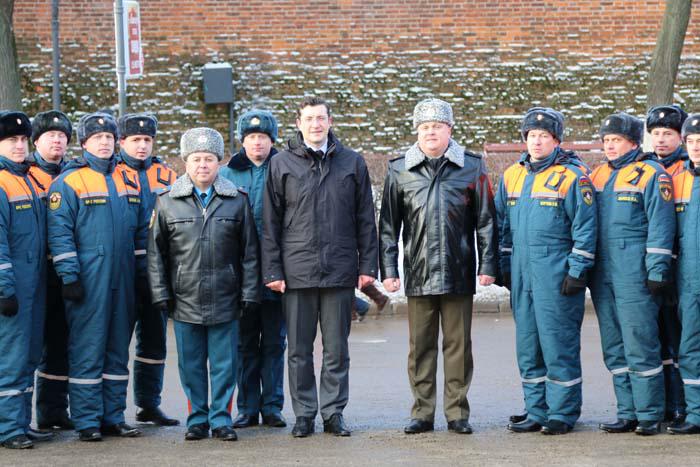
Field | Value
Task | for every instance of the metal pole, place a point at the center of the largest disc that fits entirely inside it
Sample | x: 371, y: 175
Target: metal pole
x: 231, y: 129
x: 56, y: 55
x: 121, y: 65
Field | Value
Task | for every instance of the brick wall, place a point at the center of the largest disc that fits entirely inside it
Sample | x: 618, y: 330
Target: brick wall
x: 597, y: 27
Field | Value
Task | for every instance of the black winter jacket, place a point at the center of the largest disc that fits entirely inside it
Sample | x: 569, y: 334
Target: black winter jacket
x: 440, y: 210
x: 206, y: 261
x: 318, y: 218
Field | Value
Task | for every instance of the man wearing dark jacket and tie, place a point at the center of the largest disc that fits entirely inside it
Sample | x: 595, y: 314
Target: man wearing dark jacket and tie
x: 319, y: 243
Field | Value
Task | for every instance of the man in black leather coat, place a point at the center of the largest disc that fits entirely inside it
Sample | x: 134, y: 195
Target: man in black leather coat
x: 441, y: 195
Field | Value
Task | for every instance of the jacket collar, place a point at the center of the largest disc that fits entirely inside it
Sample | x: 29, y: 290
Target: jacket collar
x: 454, y: 153
x: 183, y: 187
x: 240, y: 160
x: 296, y: 145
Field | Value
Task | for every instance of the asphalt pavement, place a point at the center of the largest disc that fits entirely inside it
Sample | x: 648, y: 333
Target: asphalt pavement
x: 380, y: 401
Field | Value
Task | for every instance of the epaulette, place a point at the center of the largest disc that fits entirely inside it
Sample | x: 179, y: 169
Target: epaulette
x: 396, y: 159
x: 241, y: 190
x: 163, y: 190
x: 475, y: 155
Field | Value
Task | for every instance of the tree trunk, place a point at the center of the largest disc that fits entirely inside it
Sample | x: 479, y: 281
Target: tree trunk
x: 10, y: 88
x: 667, y: 55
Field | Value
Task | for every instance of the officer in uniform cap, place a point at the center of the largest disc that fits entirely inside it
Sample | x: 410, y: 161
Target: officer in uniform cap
x: 262, y: 333
x: 97, y: 234
x: 137, y: 133
x: 686, y: 190
x: 51, y: 134
x: 664, y: 124
x: 547, y: 235
x: 635, y: 238
x: 22, y: 282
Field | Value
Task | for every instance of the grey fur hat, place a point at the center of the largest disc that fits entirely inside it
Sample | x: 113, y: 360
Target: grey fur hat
x: 543, y: 118
x: 97, y: 122
x: 625, y: 125
x: 432, y: 110
x: 202, y: 140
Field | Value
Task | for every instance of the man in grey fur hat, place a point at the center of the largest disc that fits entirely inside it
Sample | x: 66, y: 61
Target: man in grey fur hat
x: 203, y: 268
x: 441, y: 195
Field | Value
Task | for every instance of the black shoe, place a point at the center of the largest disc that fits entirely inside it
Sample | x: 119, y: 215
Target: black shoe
x: 674, y: 416
x: 156, y: 416
x: 556, y: 427
x: 620, y: 426
x: 18, y: 442
x: 224, y: 433
x: 647, y: 428
x: 518, y: 418
x: 275, y: 420
x: 120, y: 429
x: 303, y: 427
x: 90, y: 434
x: 527, y: 426
x: 40, y: 436
x: 197, y: 432
x: 244, y: 421
x: 461, y: 426
x: 336, y: 425
x: 416, y: 425
x: 62, y: 422
x: 684, y: 428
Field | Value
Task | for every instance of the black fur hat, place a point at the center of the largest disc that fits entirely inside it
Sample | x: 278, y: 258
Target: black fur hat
x: 97, y: 122
x: 543, y: 118
x: 691, y: 126
x: 666, y: 116
x: 138, y: 124
x: 13, y: 123
x: 52, y: 120
x: 625, y: 125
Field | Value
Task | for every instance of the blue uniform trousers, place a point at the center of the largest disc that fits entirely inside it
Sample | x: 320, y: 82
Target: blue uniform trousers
x: 261, y: 360
x: 100, y: 328
x: 149, y: 361
x: 196, y: 345
x: 690, y: 353
x: 548, y: 335
x: 21, y: 338
x: 52, y: 374
x: 628, y: 319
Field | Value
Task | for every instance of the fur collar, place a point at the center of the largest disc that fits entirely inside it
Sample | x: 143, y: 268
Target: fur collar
x: 454, y: 153
x: 183, y: 187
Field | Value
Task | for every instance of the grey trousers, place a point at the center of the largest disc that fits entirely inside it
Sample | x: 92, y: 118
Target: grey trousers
x: 304, y: 309
x: 425, y: 315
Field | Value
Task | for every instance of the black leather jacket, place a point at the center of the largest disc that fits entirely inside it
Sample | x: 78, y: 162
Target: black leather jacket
x: 440, y: 210
x: 205, y: 261
x: 318, y: 218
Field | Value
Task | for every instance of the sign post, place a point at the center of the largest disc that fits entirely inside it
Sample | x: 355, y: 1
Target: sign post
x: 127, y: 20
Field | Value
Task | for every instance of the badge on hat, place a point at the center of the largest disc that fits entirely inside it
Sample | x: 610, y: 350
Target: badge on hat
x: 255, y: 121
x: 141, y: 123
x: 202, y: 139
x: 55, y: 201
x: 662, y: 114
x: 540, y: 116
x: 101, y: 121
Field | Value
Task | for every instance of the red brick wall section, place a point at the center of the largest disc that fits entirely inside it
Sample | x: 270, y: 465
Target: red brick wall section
x: 597, y: 27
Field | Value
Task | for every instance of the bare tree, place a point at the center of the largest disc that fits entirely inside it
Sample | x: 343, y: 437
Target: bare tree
x: 10, y: 88
x: 667, y: 54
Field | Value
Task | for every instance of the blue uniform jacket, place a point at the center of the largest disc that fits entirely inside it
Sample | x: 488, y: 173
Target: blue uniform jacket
x: 548, y: 204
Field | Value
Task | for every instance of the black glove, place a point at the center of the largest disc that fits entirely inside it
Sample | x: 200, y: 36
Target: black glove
x: 162, y: 307
x: 657, y: 287
x: 249, y: 307
x: 9, y: 306
x: 572, y: 286
x: 73, y: 291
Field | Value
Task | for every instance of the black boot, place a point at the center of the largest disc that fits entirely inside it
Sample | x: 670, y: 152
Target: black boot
x: 619, y: 426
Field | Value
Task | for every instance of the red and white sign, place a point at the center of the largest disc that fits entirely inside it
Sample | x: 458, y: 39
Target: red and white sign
x: 133, y: 55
